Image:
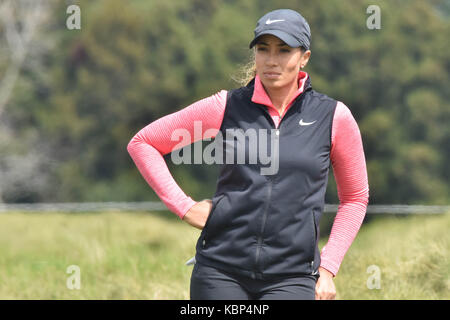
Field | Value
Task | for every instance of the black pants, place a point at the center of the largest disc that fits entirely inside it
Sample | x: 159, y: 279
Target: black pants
x: 208, y: 283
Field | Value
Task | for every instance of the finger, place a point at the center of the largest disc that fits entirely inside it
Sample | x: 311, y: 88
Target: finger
x: 333, y: 294
x: 317, y: 295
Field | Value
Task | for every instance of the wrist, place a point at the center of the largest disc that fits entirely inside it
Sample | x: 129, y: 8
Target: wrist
x: 325, y: 272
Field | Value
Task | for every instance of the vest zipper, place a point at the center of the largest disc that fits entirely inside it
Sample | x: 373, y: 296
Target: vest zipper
x: 260, y: 238
x: 299, y: 98
x: 264, y: 107
x: 277, y: 132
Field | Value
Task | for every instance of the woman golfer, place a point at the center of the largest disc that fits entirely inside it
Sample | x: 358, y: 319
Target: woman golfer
x: 260, y: 231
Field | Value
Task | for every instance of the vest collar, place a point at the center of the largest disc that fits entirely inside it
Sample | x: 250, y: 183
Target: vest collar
x: 260, y: 95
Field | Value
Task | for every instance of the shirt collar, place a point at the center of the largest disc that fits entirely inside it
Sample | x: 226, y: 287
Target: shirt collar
x: 260, y: 95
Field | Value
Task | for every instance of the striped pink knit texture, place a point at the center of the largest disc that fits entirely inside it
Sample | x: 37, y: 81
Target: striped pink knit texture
x: 151, y: 143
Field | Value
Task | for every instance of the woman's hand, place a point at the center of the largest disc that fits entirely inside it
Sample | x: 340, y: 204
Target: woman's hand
x: 325, y: 289
x: 197, y: 215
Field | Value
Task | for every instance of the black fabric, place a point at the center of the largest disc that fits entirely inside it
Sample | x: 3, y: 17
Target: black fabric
x: 208, y: 283
x: 266, y: 226
x: 286, y: 24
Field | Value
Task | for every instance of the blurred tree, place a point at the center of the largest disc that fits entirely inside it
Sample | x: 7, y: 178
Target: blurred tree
x: 22, y: 46
x: 130, y: 65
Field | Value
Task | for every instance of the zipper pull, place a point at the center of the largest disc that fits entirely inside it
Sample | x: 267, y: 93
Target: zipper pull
x: 312, y: 267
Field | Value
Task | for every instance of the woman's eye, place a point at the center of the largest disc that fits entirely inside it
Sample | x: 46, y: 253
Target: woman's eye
x: 265, y: 49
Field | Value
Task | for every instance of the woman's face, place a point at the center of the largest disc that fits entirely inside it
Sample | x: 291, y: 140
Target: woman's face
x: 277, y: 64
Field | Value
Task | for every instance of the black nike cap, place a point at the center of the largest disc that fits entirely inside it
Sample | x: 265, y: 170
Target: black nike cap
x: 286, y: 24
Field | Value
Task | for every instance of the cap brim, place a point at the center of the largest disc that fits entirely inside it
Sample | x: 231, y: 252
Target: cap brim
x: 287, y: 38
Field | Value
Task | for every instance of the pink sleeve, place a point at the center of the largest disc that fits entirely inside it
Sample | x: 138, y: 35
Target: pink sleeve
x: 151, y: 143
x: 349, y: 168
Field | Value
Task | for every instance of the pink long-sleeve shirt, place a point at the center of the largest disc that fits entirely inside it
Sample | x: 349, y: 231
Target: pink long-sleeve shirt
x: 151, y: 143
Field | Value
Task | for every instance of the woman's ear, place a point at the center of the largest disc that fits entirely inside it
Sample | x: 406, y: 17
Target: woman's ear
x: 305, y: 58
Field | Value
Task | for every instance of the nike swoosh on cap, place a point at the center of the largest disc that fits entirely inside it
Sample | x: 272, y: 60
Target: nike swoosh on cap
x: 272, y: 21
x: 305, y: 123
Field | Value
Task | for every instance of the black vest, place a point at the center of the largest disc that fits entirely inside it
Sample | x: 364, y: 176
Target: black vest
x: 266, y: 226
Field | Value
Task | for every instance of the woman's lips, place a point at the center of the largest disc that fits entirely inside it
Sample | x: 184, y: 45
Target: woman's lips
x: 272, y: 75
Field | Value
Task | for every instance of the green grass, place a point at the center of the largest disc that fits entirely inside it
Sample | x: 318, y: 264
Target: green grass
x: 141, y: 256
x: 412, y: 254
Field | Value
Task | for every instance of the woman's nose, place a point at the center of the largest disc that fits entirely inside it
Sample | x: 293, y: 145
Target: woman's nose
x: 271, y: 58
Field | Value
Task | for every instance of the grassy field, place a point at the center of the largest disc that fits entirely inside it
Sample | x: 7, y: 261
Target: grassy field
x: 141, y: 256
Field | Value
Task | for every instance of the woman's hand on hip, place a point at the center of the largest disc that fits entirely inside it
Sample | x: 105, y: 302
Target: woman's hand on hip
x: 325, y: 289
x: 197, y: 215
